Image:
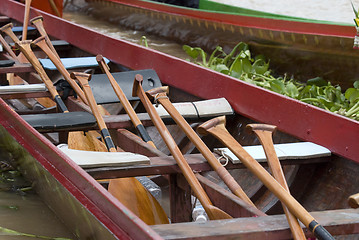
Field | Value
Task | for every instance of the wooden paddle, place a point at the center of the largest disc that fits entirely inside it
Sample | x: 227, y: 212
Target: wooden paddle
x: 159, y: 95
x: 76, y: 140
x: 353, y: 200
x: 54, y: 8
x: 212, y: 211
x: 264, y: 133
x: 8, y: 49
x: 125, y: 103
x: 7, y: 29
x: 38, y: 22
x: 41, y: 43
x: 26, y: 19
x: 217, y: 128
x: 129, y: 191
x: 25, y: 48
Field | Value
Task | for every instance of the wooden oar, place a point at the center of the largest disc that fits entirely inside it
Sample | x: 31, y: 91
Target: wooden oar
x: 264, y: 133
x: 212, y: 211
x: 41, y: 43
x: 8, y: 49
x: 89, y: 139
x: 26, y: 19
x: 129, y: 191
x: 217, y: 128
x: 54, y: 8
x: 159, y: 95
x: 38, y: 22
x: 25, y: 48
x: 125, y: 103
x: 353, y: 200
x: 7, y: 29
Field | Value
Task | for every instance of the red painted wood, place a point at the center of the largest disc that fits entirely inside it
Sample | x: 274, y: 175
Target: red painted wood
x: 304, y: 121
x: 117, y: 218
x: 245, y: 21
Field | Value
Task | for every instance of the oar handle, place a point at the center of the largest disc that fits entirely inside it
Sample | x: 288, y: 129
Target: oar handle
x: 25, y: 48
x: 42, y: 44
x: 264, y: 133
x: 38, y: 22
x: 83, y: 79
x: 217, y: 128
x: 26, y: 19
x: 8, y: 30
x: 160, y: 95
x: 213, y: 212
x: 125, y: 103
x: 7, y: 48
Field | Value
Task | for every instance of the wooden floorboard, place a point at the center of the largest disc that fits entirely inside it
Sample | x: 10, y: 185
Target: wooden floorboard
x: 337, y: 222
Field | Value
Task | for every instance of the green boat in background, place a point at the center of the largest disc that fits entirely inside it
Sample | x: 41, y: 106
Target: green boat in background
x: 211, y: 6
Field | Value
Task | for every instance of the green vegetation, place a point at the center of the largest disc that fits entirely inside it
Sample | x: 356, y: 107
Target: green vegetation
x: 240, y: 64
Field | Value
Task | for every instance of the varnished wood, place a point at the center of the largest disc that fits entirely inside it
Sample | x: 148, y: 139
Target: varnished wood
x: 161, y: 96
x: 129, y: 191
x: 212, y: 211
x: 217, y: 128
x: 353, y: 200
x: 124, y: 101
x: 26, y: 19
x: 264, y: 133
x: 47, y: 102
x: 40, y: 42
x: 339, y: 222
x: 39, y: 25
x: 25, y: 48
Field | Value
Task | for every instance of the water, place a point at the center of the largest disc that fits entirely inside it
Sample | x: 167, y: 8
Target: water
x: 28, y: 214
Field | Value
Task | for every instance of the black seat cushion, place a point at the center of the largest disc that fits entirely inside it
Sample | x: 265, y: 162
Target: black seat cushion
x: 104, y: 93
x: 61, y: 121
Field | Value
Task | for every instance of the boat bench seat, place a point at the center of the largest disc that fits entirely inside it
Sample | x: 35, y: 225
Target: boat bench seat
x: 18, y: 29
x: 71, y: 63
x: 299, y: 150
x: 104, y: 93
x: 61, y: 121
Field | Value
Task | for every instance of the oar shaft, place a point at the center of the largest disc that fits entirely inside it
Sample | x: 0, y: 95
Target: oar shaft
x: 83, y: 78
x: 175, y: 151
x: 26, y: 19
x: 8, y: 30
x: 221, y: 133
x: 125, y: 103
x: 25, y: 48
x: 197, y: 141
x: 7, y: 48
x: 39, y: 25
x: 41, y: 43
x: 264, y: 134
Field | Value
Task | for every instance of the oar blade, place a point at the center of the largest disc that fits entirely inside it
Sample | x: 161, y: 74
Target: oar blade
x: 216, y: 213
x: 131, y: 193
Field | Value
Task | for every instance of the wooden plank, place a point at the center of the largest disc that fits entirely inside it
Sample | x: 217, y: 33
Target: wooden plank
x: 337, y: 222
x: 167, y: 165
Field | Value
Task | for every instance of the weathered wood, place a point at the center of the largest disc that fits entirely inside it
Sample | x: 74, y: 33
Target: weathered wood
x: 338, y: 222
x: 180, y: 199
x: 167, y: 165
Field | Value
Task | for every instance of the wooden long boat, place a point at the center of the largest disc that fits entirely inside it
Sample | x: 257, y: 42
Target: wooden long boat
x: 322, y: 185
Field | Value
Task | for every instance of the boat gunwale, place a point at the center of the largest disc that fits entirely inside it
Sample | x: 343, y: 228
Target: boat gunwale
x: 292, y: 26
x: 95, y: 198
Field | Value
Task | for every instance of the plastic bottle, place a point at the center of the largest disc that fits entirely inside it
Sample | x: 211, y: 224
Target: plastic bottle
x: 198, y: 213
